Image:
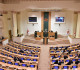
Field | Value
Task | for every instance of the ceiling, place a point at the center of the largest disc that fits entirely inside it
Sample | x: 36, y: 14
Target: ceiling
x: 20, y: 5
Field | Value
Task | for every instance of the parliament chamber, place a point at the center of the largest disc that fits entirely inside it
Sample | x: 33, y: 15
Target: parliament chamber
x: 39, y: 35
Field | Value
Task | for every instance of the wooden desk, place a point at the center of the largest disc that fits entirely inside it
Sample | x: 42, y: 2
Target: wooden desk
x: 45, y: 40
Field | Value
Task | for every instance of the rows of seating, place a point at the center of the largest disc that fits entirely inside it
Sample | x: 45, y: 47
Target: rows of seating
x: 16, y: 51
x: 26, y: 60
x: 65, y: 57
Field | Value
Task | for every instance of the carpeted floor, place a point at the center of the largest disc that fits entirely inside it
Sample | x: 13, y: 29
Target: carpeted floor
x: 60, y: 40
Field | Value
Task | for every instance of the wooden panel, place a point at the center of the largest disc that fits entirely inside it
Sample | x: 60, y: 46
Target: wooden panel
x: 42, y: 17
x: 50, y: 35
x: 49, y: 25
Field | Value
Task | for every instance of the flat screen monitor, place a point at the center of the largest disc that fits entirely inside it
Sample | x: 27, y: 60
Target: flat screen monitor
x: 59, y: 19
x: 32, y: 19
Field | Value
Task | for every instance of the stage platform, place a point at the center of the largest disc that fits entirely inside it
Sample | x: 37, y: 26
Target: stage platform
x: 59, y: 40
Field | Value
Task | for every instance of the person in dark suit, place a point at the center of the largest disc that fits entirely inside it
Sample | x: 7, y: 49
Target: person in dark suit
x: 21, y: 51
x: 59, y: 63
x: 70, y: 62
x: 56, y: 62
x: 78, y: 55
x: 76, y: 62
x: 15, y: 59
x: 19, y: 59
x: 69, y: 51
x: 65, y: 56
x: 66, y: 48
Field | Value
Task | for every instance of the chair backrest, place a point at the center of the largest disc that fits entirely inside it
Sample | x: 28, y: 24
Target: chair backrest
x: 53, y: 60
x: 73, y: 60
x: 30, y: 55
x: 10, y: 56
x: 24, y: 65
x: 28, y: 59
x: 56, y: 67
x: 35, y: 55
x: 34, y: 59
x: 1, y: 69
x: 74, y: 66
x: 3, y: 61
x: 32, y: 66
x: 9, y: 62
x: 67, y: 60
x: 22, y: 58
x: 16, y: 63
x: 65, y: 67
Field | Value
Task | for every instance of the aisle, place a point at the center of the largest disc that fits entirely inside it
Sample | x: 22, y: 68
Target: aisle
x: 44, y: 63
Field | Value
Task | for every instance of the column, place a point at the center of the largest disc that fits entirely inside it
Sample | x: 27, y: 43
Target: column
x: 14, y: 23
x: 78, y: 26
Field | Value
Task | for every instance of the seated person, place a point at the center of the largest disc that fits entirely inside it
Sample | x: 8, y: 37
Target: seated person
x: 22, y: 51
x: 76, y: 62
x: 70, y: 62
x: 15, y: 59
x: 69, y: 51
x: 2, y: 37
x: 54, y: 57
x: 59, y: 62
x: 78, y: 55
x: 56, y: 62
x: 65, y: 56
x: 19, y: 59
x: 66, y: 48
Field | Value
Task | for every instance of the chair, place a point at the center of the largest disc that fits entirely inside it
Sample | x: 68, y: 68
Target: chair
x: 70, y: 55
x: 53, y: 61
x: 73, y: 60
x: 56, y: 67
x: 35, y: 55
x: 74, y: 67
x: 52, y: 51
x: 24, y: 65
x: 65, y: 67
x: 24, y: 54
x: 30, y: 55
x: 28, y: 59
x: 34, y: 59
x: 67, y: 60
x: 16, y: 64
x: 2, y: 53
x: 22, y: 58
x: 6, y: 55
x: 19, y: 53
x: 10, y: 56
x: 32, y: 66
x: 15, y: 52
x: 3, y: 61
x: 1, y: 69
x: 9, y: 62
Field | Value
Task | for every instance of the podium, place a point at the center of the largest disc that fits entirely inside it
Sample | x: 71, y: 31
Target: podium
x: 45, y: 40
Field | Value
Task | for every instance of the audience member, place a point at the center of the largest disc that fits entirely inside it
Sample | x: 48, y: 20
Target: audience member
x: 15, y: 59
x: 65, y: 56
x: 76, y: 62
x: 56, y: 62
x: 22, y: 51
x: 19, y: 59
x: 70, y: 62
